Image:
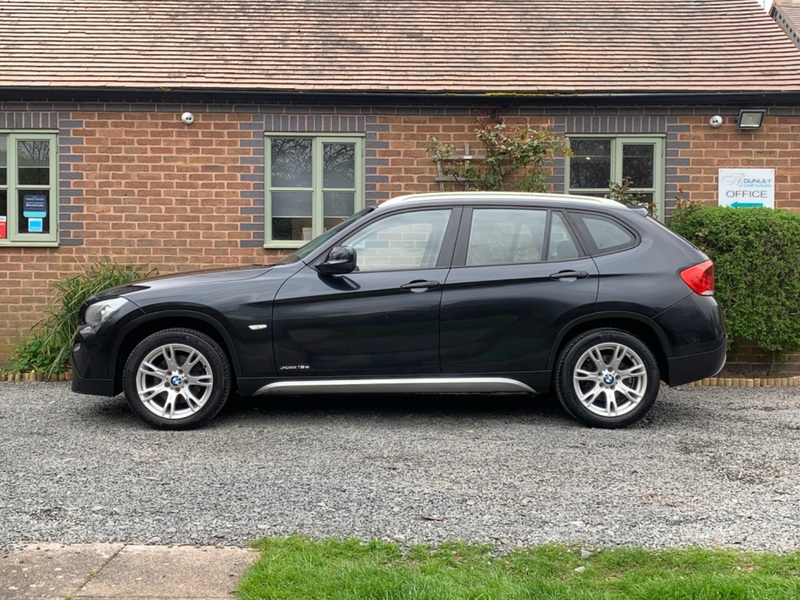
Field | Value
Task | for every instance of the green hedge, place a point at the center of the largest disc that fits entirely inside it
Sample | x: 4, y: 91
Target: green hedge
x: 757, y: 256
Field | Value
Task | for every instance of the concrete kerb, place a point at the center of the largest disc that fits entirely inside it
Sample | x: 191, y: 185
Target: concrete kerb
x: 109, y: 571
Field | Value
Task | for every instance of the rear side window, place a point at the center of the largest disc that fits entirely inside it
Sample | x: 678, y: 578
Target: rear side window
x: 500, y: 236
x: 561, y: 246
x: 606, y: 235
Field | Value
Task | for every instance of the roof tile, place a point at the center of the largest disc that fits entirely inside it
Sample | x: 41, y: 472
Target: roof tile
x: 399, y: 46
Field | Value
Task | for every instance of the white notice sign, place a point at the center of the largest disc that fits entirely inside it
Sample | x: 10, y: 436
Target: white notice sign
x: 747, y: 188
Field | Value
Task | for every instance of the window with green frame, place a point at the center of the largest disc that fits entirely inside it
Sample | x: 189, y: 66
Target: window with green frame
x: 28, y: 189
x: 598, y: 160
x: 313, y: 182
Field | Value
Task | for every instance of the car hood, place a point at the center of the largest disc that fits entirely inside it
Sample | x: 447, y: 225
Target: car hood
x: 184, y: 280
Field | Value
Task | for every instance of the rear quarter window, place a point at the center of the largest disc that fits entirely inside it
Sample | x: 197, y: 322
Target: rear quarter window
x: 604, y: 234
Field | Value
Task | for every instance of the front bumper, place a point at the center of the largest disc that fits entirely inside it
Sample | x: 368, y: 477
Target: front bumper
x: 90, y: 367
x: 92, y: 387
x: 94, y: 354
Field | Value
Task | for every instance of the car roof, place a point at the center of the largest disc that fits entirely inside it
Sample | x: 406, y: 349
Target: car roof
x: 467, y: 198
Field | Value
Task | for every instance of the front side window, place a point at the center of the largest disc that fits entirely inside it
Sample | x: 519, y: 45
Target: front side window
x: 404, y: 241
x: 313, y: 183
x: 599, y: 162
x: 28, y: 189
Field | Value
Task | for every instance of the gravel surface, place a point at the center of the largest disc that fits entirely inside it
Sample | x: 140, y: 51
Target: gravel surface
x: 713, y: 467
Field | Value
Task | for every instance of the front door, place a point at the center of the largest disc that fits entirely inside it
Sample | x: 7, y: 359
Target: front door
x: 383, y: 318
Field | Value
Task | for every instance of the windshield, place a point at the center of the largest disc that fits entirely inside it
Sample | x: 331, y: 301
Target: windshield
x: 318, y: 241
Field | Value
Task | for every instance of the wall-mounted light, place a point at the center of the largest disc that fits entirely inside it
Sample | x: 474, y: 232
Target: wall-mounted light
x: 751, y: 118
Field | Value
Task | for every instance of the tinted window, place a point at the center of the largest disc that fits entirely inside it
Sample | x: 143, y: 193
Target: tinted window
x: 410, y: 240
x: 561, y: 246
x: 606, y: 235
x: 500, y: 236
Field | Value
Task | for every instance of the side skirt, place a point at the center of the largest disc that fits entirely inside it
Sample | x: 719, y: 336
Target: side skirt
x: 428, y: 385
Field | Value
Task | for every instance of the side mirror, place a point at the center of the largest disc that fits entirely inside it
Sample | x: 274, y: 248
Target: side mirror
x: 340, y: 261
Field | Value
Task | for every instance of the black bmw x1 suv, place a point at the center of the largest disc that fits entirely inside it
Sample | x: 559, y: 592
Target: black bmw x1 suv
x: 465, y: 292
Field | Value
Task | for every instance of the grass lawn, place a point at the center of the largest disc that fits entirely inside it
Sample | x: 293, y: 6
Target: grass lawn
x: 297, y: 568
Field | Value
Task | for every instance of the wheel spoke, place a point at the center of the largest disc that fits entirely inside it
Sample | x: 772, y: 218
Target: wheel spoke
x: 631, y: 394
x: 205, y: 380
x: 148, y: 368
x: 583, y: 375
x: 616, y: 360
x: 611, y: 403
x: 147, y: 394
x: 596, y: 355
x: 588, y: 397
x: 637, y: 370
x: 169, y: 356
x: 192, y: 400
x: 191, y: 360
x: 168, y: 410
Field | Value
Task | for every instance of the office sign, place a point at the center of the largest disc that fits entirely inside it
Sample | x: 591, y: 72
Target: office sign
x: 747, y: 188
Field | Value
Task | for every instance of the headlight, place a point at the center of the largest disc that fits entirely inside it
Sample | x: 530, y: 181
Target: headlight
x: 99, y: 312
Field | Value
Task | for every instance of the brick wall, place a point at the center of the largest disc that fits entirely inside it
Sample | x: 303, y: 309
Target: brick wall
x: 776, y: 145
x: 137, y: 185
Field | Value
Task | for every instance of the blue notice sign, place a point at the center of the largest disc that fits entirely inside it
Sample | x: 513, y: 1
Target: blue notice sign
x: 35, y: 226
x: 34, y: 206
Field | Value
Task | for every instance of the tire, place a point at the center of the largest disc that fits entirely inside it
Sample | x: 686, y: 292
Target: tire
x: 177, y: 379
x: 607, y: 378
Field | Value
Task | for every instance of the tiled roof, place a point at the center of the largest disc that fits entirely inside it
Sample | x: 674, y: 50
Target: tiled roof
x: 398, y: 46
x: 787, y: 14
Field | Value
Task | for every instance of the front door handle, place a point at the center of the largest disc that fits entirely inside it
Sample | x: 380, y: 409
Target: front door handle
x: 420, y: 286
x: 569, y: 275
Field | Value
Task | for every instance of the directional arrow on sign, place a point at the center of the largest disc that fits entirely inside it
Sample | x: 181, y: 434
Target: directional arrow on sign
x: 747, y: 204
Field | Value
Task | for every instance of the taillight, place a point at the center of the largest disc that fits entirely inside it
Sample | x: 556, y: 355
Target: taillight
x: 700, y: 278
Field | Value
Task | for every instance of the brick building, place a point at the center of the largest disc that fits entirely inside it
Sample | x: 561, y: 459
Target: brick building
x: 305, y: 110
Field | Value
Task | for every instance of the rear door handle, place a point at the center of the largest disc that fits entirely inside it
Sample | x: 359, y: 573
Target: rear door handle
x: 420, y: 286
x: 570, y: 275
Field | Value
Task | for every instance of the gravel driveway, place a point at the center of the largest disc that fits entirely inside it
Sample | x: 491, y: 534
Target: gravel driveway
x: 709, y: 467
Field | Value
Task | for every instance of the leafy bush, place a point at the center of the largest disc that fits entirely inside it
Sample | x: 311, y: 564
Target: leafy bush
x: 512, y: 158
x: 47, y: 349
x: 623, y: 192
x: 757, y: 257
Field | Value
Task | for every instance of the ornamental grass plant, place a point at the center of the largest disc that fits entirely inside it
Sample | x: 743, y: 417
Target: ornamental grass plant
x: 47, y: 349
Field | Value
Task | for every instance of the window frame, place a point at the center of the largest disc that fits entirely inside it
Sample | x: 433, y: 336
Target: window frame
x: 316, y: 189
x: 13, y: 237
x: 617, y: 145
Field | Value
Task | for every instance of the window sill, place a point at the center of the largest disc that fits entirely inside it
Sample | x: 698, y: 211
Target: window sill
x: 5, y: 244
x: 285, y: 245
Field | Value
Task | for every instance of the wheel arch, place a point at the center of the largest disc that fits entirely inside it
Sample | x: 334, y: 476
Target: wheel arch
x: 644, y: 329
x: 149, y: 324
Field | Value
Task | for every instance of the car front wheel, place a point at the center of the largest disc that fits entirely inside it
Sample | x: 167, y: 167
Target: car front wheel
x: 607, y: 378
x: 177, y: 379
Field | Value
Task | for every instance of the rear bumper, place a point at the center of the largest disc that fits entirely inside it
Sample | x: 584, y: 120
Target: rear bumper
x: 697, y: 339
x: 685, y: 369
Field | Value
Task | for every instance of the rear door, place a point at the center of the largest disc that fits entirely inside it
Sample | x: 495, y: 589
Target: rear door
x: 519, y: 275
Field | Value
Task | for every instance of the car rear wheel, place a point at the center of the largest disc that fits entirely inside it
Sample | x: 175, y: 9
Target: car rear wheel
x: 607, y: 378
x: 177, y: 379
